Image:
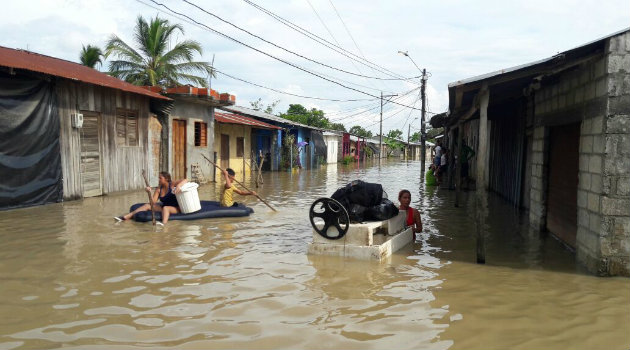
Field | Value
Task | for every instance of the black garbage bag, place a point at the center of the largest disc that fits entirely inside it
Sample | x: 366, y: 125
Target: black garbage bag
x: 359, y: 192
x: 357, y: 212
x: 383, y: 211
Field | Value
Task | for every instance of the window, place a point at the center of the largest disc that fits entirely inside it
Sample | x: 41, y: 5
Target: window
x: 126, y: 128
x: 201, y: 134
x: 240, y: 146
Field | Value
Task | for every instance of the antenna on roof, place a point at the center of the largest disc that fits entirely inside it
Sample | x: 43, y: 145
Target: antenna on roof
x: 210, y: 74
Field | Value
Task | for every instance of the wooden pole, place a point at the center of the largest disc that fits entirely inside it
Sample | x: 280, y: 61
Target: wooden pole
x: 146, y: 182
x: 482, y: 170
x: 240, y: 183
x: 458, y: 164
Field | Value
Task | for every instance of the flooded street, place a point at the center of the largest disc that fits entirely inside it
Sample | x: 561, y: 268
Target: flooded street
x: 71, y: 277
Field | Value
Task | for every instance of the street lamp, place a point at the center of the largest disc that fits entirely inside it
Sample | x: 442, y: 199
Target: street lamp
x: 423, y: 81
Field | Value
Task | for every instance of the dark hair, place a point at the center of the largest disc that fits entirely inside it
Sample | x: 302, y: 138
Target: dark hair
x: 166, y: 175
x: 400, y: 194
x: 230, y: 171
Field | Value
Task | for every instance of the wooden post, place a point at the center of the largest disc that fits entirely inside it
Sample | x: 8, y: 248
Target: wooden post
x: 458, y: 163
x: 482, y: 169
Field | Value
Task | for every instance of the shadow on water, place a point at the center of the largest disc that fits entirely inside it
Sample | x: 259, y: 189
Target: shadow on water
x: 73, y: 278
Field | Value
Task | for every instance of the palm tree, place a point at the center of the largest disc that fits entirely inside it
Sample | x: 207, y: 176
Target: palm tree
x: 90, y: 56
x: 153, y: 64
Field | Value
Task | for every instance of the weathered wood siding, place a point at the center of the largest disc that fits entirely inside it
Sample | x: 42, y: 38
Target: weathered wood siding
x: 121, y: 165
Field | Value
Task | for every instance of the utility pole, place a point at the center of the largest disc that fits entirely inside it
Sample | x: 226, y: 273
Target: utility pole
x: 422, y: 127
x: 408, y: 142
x: 380, y: 133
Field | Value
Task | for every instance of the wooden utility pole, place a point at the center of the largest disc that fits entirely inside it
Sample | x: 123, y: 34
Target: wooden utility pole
x: 408, y: 142
x: 380, y: 136
x: 422, y: 127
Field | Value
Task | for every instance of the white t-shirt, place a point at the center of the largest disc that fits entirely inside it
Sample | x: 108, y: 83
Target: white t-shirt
x: 438, y: 151
x: 443, y: 160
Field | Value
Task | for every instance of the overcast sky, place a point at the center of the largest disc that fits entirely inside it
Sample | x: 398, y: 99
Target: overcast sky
x: 453, y: 40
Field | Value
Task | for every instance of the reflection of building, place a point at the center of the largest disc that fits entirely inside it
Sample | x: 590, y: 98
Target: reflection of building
x: 552, y: 137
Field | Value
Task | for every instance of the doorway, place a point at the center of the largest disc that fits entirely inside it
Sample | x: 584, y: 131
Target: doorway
x: 179, y: 149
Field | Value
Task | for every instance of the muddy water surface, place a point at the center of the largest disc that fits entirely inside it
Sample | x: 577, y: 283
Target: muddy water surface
x: 71, y: 277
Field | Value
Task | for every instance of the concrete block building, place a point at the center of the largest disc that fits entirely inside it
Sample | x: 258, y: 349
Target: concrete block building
x: 553, y: 137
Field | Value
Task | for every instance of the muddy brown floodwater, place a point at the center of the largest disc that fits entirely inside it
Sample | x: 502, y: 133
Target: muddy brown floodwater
x: 71, y: 277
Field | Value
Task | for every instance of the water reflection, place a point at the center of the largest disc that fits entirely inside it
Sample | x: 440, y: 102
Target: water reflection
x: 73, y: 278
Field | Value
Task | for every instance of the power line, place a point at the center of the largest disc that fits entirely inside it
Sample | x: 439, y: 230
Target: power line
x: 349, y: 34
x: 193, y: 22
x: 288, y: 93
x: 272, y: 56
x: 377, y: 106
x: 330, y: 33
x: 285, y: 49
x: 325, y: 42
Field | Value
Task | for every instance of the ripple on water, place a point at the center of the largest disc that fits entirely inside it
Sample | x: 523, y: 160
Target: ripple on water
x: 73, y: 278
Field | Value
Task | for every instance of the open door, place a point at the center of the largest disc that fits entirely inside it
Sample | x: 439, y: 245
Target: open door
x: 179, y: 149
x: 563, y: 182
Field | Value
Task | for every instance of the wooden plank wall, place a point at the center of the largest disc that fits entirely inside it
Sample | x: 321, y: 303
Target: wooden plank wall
x: 122, y: 165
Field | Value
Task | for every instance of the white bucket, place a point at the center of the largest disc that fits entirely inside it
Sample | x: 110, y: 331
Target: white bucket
x: 188, y: 198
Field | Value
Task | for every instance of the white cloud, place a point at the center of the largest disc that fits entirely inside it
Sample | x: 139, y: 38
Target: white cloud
x: 452, y: 39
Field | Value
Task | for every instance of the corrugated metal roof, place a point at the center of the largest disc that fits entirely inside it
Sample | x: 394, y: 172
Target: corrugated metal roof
x: 527, y: 65
x: 263, y: 115
x: 21, y: 59
x: 231, y: 118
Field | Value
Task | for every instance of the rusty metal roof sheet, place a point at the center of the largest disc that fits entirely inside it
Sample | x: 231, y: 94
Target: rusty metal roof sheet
x: 21, y: 59
x: 230, y: 118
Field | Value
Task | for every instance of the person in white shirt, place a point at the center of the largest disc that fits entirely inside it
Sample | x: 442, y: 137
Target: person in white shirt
x: 443, y: 166
x: 438, y: 154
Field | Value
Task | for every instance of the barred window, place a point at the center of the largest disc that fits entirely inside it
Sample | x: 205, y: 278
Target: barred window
x: 126, y: 128
x: 201, y: 134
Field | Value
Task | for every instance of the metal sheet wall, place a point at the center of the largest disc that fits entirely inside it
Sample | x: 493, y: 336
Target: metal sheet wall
x: 507, y: 152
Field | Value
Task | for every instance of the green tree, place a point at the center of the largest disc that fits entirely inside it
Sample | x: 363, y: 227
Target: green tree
x: 313, y: 117
x: 151, y: 63
x: 359, y: 131
x: 394, y: 134
x: 91, y: 56
x: 415, y: 137
x: 258, y: 105
x: 337, y: 126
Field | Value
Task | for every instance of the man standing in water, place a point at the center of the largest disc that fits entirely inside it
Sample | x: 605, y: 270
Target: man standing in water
x: 229, y: 188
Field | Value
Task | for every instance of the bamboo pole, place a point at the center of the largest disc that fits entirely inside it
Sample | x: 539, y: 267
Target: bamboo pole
x: 151, y: 203
x: 240, y: 183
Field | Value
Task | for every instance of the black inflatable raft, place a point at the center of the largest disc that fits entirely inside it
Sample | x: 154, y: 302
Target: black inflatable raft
x: 209, y: 209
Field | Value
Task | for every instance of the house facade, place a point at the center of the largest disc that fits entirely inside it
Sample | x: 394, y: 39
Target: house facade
x: 235, y: 142
x: 191, y: 134
x: 94, y: 130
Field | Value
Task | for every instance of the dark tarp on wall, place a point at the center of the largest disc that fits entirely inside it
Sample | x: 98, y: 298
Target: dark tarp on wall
x: 30, y: 162
x: 320, y: 145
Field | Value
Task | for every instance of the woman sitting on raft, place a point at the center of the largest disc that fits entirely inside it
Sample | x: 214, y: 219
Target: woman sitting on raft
x: 168, y: 202
x: 413, y: 215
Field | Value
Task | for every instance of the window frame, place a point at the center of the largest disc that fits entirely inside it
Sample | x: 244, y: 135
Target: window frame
x: 240, y: 143
x: 203, y: 129
x: 128, y: 115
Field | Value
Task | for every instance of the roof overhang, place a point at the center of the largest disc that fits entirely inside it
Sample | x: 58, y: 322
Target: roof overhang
x: 515, y: 82
x: 231, y: 118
